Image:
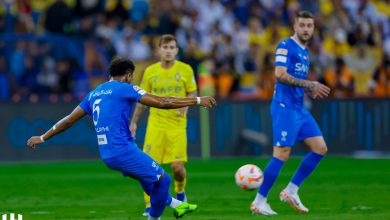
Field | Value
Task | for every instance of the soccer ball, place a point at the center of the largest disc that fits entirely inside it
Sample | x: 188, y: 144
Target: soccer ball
x: 249, y: 177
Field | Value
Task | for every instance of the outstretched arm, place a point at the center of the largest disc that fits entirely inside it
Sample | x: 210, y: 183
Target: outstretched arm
x: 173, y: 102
x: 59, y: 127
x: 166, y: 103
x: 316, y: 89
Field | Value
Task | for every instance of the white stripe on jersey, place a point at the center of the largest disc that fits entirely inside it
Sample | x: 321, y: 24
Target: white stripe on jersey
x: 281, y: 59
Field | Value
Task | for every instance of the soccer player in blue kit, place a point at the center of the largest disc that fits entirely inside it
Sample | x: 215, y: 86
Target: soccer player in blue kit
x: 291, y: 121
x: 110, y: 104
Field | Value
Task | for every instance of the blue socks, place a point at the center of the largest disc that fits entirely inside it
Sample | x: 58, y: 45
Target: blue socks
x: 160, y: 196
x: 181, y: 196
x: 271, y: 172
x: 308, y: 164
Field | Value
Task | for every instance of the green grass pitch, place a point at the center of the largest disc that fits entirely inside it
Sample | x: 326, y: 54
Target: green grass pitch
x: 341, y: 188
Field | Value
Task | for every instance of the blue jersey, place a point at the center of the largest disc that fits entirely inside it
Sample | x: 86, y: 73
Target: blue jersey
x: 110, y: 104
x: 295, y: 58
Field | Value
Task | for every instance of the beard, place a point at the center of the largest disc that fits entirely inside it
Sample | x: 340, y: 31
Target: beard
x: 304, y: 38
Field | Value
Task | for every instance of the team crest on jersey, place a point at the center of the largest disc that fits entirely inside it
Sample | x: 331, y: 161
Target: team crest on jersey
x: 284, y: 135
x: 178, y: 76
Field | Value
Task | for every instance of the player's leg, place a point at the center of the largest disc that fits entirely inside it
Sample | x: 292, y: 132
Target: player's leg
x: 312, y: 137
x: 160, y: 197
x: 176, y: 155
x: 271, y: 173
x: 153, y: 146
x: 180, y: 177
x: 284, y: 125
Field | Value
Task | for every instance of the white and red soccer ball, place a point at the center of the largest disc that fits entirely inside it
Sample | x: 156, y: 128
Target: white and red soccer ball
x: 249, y: 177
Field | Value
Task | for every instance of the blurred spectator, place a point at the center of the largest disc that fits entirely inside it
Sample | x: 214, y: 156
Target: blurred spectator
x: 266, y: 79
x: 17, y: 60
x: 4, y: 80
x: 64, y: 76
x: 382, y: 79
x: 339, y: 78
x: 84, y: 8
x: 47, y: 79
x: 117, y: 9
x: 191, y: 57
x: 58, y: 15
x: 362, y: 63
x: 230, y: 43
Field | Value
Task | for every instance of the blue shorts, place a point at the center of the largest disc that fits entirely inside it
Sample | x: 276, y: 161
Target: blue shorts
x: 290, y: 125
x: 136, y: 164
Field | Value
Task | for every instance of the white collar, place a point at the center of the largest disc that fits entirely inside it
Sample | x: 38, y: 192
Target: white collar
x: 299, y: 44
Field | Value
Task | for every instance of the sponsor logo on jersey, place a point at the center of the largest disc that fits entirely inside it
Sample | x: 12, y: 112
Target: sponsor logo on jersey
x: 281, y: 59
x: 300, y: 67
x: 139, y: 90
x: 281, y: 51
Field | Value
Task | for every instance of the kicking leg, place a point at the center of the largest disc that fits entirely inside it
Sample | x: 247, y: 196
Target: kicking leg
x: 159, y: 195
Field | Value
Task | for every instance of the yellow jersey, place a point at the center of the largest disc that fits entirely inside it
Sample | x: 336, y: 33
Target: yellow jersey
x: 176, y: 81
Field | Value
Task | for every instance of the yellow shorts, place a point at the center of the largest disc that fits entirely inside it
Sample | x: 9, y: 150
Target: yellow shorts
x: 166, y: 146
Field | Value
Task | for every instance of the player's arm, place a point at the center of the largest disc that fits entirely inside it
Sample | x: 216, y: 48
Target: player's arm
x: 59, y: 127
x: 168, y: 102
x: 138, y: 111
x: 140, y: 108
x: 183, y: 111
x: 316, y: 89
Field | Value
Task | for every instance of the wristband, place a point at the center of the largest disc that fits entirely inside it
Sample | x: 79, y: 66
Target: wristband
x: 198, y: 100
x: 41, y: 137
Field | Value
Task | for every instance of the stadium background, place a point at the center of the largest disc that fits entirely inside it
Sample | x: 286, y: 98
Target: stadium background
x: 53, y: 52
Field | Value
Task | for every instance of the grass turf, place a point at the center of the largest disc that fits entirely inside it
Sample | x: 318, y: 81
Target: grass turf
x: 341, y: 188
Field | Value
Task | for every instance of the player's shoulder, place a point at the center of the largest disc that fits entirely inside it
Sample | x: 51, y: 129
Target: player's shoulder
x: 153, y: 67
x: 286, y: 43
x: 284, y: 47
x: 183, y: 66
x: 127, y: 87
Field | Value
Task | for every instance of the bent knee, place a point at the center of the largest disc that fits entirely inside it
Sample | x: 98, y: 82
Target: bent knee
x: 282, y: 153
x: 323, y: 149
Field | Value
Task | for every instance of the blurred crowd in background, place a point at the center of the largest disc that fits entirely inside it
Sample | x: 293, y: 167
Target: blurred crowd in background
x: 60, y: 49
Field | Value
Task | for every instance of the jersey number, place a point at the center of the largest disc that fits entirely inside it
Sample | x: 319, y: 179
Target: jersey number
x: 96, y: 111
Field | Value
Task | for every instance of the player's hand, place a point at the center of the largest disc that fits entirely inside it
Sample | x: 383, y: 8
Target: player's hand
x: 33, y: 141
x: 318, y: 90
x: 133, y: 129
x: 182, y: 111
x: 207, y: 102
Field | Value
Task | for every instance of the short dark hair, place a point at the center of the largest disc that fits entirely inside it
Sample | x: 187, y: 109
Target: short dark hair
x: 166, y: 38
x: 304, y: 14
x: 121, y: 66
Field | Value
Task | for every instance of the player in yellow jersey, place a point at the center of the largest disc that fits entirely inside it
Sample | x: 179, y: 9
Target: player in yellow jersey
x: 166, y: 137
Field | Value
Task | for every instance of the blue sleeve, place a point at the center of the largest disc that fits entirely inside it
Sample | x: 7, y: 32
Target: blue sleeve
x: 85, y: 104
x: 282, y: 55
x: 133, y: 92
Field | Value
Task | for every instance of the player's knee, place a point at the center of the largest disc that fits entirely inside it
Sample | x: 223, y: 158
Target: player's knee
x: 282, y: 153
x: 178, y: 170
x: 322, y: 149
